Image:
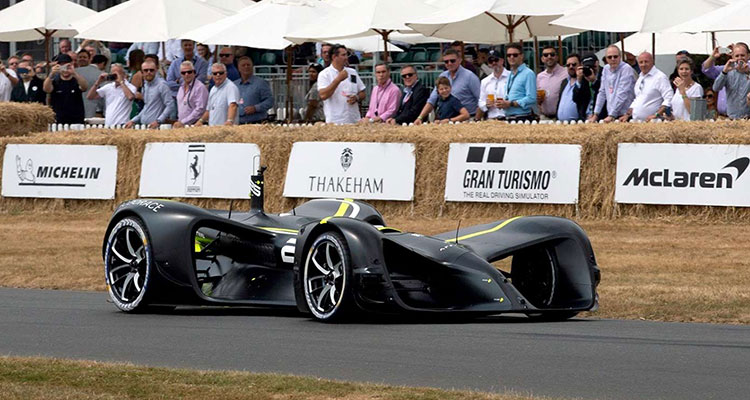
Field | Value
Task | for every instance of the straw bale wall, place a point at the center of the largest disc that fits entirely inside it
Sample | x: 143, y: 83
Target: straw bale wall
x: 598, y: 164
x: 20, y: 119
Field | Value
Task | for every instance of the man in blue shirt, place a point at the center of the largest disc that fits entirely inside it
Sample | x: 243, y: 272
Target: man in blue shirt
x: 174, y: 80
x: 159, y: 103
x: 465, y: 85
x: 575, y: 92
x: 256, y: 97
x: 521, y: 87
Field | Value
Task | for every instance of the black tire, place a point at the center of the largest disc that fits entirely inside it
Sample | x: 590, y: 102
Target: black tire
x: 534, y: 273
x: 326, y: 278
x: 128, y: 265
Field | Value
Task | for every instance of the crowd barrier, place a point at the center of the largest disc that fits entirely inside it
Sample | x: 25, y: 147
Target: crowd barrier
x: 599, y: 144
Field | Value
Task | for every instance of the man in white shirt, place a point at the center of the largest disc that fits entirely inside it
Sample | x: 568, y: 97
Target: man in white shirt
x: 341, y: 89
x: 492, y: 88
x: 118, y: 96
x: 8, y: 79
x: 222, y: 100
x: 653, y: 92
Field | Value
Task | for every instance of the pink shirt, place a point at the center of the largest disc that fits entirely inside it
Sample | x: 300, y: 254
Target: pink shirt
x: 384, y: 101
x: 551, y: 84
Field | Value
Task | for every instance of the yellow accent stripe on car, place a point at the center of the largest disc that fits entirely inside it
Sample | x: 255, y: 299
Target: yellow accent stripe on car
x: 383, y: 228
x: 279, y: 230
x: 342, y: 208
x: 198, y: 247
x: 475, y: 234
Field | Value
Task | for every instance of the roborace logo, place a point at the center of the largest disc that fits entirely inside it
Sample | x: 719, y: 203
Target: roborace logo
x: 688, y: 179
x: 27, y: 176
x: 194, y: 169
x: 503, y: 179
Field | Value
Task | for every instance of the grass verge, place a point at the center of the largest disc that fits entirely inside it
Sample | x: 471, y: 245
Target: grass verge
x: 53, y: 379
x: 666, y: 270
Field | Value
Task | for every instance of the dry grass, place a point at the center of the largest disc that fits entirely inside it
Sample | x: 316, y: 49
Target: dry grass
x: 598, y: 161
x: 53, y: 379
x: 19, y: 119
x: 670, y: 270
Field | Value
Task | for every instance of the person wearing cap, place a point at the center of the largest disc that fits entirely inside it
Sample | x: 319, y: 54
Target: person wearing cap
x: 575, y: 92
x: 550, y: 80
x: 616, y: 87
x: 414, y: 97
x: 592, y: 74
x: 66, y: 88
x: 492, y: 88
x: 29, y: 88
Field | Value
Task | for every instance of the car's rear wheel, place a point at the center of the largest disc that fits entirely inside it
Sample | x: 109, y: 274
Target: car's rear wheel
x: 534, y: 273
x: 327, y: 277
x: 128, y: 265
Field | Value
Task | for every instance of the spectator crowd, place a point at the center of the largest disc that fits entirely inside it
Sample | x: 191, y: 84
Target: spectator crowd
x: 182, y: 83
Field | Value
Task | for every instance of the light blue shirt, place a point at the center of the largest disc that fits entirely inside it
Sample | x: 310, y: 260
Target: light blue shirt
x: 568, y: 110
x: 159, y: 103
x: 465, y: 87
x: 617, y: 89
x: 255, y: 92
x: 521, y: 88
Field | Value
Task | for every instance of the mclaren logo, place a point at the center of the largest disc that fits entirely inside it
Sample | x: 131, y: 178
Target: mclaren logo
x: 722, y: 179
x: 347, y: 157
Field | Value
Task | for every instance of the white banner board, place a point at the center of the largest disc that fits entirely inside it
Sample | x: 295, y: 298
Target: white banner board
x: 210, y: 170
x: 60, y: 171
x: 513, y: 173
x: 357, y: 170
x: 683, y: 174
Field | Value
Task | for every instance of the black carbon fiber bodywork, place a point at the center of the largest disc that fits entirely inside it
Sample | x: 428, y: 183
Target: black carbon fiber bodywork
x: 206, y: 257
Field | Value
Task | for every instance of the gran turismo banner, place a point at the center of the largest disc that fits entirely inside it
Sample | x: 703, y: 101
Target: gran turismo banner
x: 59, y: 171
x: 513, y: 173
x: 357, y: 170
x: 683, y: 174
x: 211, y: 170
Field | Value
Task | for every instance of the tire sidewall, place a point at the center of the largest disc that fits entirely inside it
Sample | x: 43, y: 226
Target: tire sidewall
x: 139, y: 302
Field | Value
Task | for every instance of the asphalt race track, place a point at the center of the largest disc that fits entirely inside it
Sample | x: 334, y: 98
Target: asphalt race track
x: 603, y: 359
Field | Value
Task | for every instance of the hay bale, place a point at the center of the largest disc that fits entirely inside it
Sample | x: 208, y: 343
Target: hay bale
x: 20, y: 119
x: 598, y: 164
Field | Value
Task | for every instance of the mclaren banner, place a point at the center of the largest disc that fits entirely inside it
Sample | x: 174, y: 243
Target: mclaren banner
x: 357, y: 170
x: 683, y: 174
x: 513, y: 173
x: 60, y: 171
x: 212, y: 170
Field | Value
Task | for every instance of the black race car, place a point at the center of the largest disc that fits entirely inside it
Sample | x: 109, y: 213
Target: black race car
x: 334, y: 258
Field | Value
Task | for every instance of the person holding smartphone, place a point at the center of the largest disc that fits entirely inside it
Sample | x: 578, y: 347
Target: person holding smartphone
x: 341, y: 89
x: 66, y: 88
x: 118, y: 95
x: 29, y: 88
x: 735, y: 77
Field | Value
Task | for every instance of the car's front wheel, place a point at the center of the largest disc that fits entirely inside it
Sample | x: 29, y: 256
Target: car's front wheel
x: 128, y: 264
x: 327, y: 277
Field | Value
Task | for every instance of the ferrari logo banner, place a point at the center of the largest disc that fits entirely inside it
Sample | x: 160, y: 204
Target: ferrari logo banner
x: 513, y: 173
x: 683, y: 174
x: 211, y: 170
x: 357, y: 170
x: 59, y: 171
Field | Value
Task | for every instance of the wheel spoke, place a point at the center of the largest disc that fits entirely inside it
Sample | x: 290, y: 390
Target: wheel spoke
x: 328, y: 255
x: 323, y: 295
x: 123, y: 259
x: 333, y: 294
x: 125, y: 286
x: 318, y: 266
x: 337, y: 270
x: 130, y: 246
x: 136, y: 277
x: 113, y: 270
x: 313, y: 279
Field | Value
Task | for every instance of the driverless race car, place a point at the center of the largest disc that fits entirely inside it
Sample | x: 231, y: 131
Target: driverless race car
x: 337, y: 258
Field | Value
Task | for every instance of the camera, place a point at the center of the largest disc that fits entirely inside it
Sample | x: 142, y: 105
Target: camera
x: 588, y: 62
x: 587, y: 71
x: 112, y: 77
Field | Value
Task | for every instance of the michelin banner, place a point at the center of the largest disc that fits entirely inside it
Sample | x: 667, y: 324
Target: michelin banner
x: 513, y: 173
x: 357, y: 170
x: 59, y: 171
x: 683, y: 174
x: 210, y: 170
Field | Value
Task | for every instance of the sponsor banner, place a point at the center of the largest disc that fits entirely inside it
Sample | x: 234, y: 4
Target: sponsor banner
x: 357, y: 170
x: 211, y: 170
x: 683, y: 174
x: 513, y: 173
x: 59, y: 171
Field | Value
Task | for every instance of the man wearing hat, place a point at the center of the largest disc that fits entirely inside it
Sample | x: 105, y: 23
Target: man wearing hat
x: 66, y: 88
x: 492, y: 88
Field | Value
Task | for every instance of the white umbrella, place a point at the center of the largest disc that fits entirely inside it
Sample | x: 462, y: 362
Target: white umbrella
x: 362, y: 18
x: 230, y: 5
x: 37, y: 19
x: 733, y: 17
x: 669, y: 43
x: 149, y: 20
x: 495, y: 21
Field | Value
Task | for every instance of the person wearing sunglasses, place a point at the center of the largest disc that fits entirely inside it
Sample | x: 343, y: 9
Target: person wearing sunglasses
x: 575, y: 92
x: 493, y: 88
x: 29, y: 88
x: 175, y: 79
x: 413, y: 98
x: 520, y: 91
x: 158, y: 103
x: 226, y: 57
x: 711, y: 104
x: 223, y: 100
x: 617, y: 87
x: 118, y: 95
x: 549, y: 82
x: 192, y: 96
x: 465, y: 85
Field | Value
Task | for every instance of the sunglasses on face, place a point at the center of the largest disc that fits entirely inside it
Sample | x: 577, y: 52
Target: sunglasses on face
x: 709, y: 96
x: 224, y: 55
x: 549, y: 54
x: 186, y: 72
x: 407, y: 75
x: 612, y: 57
x: 571, y: 65
x: 450, y: 60
x: 148, y: 70
x: 492, y: 60
x: 219, y: 73
x: 513, y: 55
x: 23, y: 71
